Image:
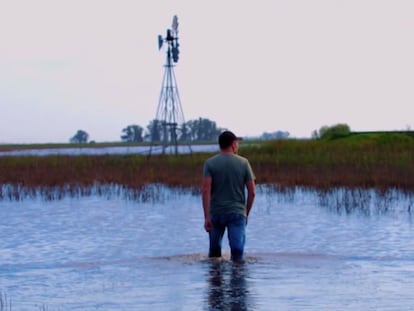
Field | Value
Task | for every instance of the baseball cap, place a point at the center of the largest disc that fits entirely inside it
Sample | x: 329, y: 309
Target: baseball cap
x: 226, y: 138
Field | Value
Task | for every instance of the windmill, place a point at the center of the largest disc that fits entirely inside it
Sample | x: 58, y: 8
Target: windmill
x: 169, y: 120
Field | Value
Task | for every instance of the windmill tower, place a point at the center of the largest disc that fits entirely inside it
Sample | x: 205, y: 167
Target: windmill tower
x: 169, y: 120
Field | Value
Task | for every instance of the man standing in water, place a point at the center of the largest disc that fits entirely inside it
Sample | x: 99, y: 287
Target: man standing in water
x: 226, y: 176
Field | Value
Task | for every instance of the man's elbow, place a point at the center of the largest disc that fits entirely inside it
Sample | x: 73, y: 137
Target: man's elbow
x: 251, y: 189
x: 252, y: 194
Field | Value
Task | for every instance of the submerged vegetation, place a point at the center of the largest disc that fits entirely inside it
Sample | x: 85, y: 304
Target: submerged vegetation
x: 377, y: 161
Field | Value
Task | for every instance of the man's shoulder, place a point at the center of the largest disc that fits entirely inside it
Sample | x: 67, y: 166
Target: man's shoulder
x: 213, y: 158
x: 220, y: 157
x: 241, y: 158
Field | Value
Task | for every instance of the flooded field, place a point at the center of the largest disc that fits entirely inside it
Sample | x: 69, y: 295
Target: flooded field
x: 109, y: 150
x: 305, y: 251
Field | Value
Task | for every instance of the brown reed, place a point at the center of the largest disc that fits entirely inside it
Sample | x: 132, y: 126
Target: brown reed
x: 379, y: 163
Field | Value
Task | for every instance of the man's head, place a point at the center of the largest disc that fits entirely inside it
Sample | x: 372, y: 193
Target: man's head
x: 226, y: 139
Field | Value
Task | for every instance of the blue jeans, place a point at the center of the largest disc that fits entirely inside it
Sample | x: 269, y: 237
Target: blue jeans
x: 236, y: 233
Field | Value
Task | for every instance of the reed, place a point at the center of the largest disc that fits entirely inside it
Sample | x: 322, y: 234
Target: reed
x: 371, y: 161
x: 5, y: 302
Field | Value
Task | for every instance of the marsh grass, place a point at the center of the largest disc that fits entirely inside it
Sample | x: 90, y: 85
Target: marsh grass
x: 379, y: 162
x: 5, y: 302
x: 375, y: 161
x: 363, y: 201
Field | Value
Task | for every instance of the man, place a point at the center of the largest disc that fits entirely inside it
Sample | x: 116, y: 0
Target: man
x: 226, y: 176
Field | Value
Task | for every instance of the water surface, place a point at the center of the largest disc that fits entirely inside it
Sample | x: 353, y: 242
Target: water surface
x: 303, y: 252
x: 156, y: 149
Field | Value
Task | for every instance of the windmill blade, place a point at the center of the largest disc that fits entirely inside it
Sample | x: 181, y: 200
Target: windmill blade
x: 175, y: 24
x: 160, y: 42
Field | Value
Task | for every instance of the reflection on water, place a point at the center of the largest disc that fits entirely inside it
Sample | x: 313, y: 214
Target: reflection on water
x: 227, y: 286
x: 109, y: 251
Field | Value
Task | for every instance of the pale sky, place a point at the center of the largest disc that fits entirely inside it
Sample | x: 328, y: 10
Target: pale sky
x: 250, y: 66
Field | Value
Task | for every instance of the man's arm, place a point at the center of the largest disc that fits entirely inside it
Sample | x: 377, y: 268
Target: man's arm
x: 251, y: 193
x: 206, y: 197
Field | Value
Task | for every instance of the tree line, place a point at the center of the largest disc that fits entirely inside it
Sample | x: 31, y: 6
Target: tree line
x: 205, y: 130
x: 197, y: 130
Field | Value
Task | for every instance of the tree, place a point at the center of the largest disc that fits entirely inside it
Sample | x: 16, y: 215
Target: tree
x: 132, y: 133
x: 202, y: 129
x: 275, y: 135
x: 185, y: 133
x: 332, y: 132
x: 80, y: 137
x: 154, y: 131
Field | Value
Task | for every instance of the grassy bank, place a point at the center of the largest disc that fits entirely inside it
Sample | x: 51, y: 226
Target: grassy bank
x: 364, y: 161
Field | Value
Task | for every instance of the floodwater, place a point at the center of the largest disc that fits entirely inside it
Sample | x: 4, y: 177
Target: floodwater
x: 305, y: 251
x: 156, y: 149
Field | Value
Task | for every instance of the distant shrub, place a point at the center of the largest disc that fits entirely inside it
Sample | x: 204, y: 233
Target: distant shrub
x: 333, y: 132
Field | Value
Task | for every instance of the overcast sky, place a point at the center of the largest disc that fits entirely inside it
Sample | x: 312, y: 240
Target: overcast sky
x: 250, y: 66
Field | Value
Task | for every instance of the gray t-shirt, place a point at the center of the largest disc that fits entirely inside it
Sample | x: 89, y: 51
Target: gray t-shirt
x: 229, y: 173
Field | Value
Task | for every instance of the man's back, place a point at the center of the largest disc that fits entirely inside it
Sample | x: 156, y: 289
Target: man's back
x: 229, y: 174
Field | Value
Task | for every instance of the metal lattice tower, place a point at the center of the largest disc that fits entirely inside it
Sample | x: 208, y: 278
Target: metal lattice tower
x: 169, y: 120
